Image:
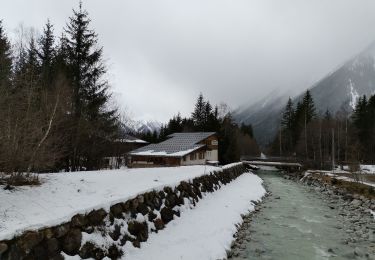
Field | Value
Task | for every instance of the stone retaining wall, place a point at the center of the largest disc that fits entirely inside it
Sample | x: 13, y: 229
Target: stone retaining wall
x: 127, y: 222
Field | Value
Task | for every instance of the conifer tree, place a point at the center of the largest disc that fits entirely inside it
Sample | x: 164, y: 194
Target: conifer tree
x: 327, y: 115
x: 5, y: 60
x: 198, y: 115
x: 288, y: 115
x: 308, y: 106
x: 47, y: 55
x: 94, y: 122
x: 207, y: 112
x: 247, y: 129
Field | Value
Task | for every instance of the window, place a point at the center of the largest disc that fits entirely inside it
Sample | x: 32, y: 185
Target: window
x: 184, y: 158
x: 192, y: 157
x: 201, y: 155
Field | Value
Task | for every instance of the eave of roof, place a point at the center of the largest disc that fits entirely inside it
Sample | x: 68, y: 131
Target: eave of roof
x: 178, y: 144
x: 152, y: 153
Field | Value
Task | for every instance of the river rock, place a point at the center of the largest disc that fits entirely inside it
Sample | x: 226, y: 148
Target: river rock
x: 159, y: 224
x: 78, y: 220
x: 3, y: 248
x: 142, y: 208
x: 117, y: 210
x: 30, y: 240
x: 356, y: 203
x: 72, y: 242
x: 87, y: 250
x: 166, y: 214
x: 116, y: 233
x: 358, y: 252
x: 96, y: 217
x: 139, y: 230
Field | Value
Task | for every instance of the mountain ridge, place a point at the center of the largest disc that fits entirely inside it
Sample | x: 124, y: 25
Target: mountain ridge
x: 339, y: 90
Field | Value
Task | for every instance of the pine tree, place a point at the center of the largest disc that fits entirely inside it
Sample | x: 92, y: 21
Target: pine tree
x: 327, y: 115
x: 47, y: 55
x: 94, y: 122
x: 298, y: 122
x: 198, y: 115
x: 286, y: 132
x: 207, y: 112
x: 32, y: 64
x: 5, y: 60
x: 308, y: 106
x: 247, y: 129
x: 288, y: 116
x: 309, y: 114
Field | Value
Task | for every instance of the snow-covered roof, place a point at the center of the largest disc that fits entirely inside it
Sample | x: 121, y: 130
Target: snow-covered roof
x: 178, y: 145
x: 131, y: 139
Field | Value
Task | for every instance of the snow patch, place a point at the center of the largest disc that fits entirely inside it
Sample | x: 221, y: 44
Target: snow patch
x: 353, y: 95
x: 227, y: 166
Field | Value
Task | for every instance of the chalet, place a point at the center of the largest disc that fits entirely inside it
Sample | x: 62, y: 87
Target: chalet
x: 118, y: 149
x: 178, y: 149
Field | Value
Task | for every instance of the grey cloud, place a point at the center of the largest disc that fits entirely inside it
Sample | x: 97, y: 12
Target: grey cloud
x: 161, y: 54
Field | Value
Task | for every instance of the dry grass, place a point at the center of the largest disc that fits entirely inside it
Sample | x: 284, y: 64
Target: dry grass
x: 19, y: 179
x: 351, y: 187
x: 362, y: 176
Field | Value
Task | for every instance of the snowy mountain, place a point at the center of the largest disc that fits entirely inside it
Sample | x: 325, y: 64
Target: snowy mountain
x: 143, y: 126
x: 342, y: 88
x: 264, y: 115
x: 339, y: 90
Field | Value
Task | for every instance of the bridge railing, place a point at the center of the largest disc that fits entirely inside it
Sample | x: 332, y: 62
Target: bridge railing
x: 270, y: 159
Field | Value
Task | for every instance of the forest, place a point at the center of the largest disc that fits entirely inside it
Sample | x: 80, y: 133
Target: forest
x: 323, y: 139
x: 55, y: 109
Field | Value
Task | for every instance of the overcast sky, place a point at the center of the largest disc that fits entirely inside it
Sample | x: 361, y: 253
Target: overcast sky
x: 162, y: 54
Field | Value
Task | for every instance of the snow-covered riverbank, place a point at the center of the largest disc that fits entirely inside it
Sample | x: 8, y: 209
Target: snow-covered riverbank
x: 62, y: 195
x: 206, y: 231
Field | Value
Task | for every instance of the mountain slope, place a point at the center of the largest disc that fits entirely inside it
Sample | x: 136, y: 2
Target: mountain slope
x: 342, y: 88
x: 264, y: 116
x: 143, y: 126
x: 339, y: 90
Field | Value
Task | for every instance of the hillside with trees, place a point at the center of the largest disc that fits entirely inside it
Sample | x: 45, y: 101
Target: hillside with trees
x: 321, y: 139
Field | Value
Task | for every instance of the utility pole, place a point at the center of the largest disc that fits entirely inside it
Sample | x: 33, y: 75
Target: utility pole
x: 280, y: 141
x: 306, y: 134
x: 320, y: 144
x: 338, y: 143
x: 346, y: 139
x: 333, y: 149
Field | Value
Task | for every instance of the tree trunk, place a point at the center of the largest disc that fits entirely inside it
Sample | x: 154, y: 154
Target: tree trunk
x: 306, y: 136
x: 48, y: 130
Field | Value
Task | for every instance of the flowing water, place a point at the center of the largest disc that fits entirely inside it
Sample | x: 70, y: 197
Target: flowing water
x: 295, y: 223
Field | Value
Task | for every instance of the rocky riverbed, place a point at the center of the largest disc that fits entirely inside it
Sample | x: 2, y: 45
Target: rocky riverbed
x: 306, y: 219
x: 355, y: 215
